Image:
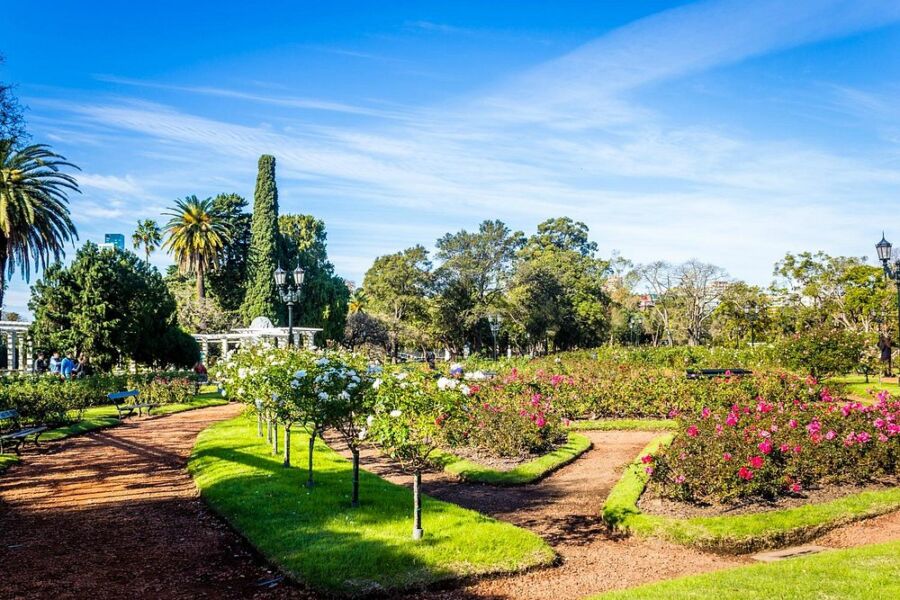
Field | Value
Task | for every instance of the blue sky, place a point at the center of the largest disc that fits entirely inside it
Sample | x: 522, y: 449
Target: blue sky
x: 729, y: 131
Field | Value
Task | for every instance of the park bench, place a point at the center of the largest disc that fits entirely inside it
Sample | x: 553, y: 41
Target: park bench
x: 126, y: 409
x: 710, y: 373
x: 13, y: 434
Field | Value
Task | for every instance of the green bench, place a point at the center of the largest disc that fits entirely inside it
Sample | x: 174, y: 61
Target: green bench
x: 14, y: 434
x: 125, y: 408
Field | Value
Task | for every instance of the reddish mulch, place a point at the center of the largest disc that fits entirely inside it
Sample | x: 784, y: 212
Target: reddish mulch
x: 114, y: 514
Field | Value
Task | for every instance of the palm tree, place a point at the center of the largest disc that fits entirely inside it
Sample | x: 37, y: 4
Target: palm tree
x: 147, y: 235
x: 358, y: 301
x: 34, y: 214
x: 197, y: 235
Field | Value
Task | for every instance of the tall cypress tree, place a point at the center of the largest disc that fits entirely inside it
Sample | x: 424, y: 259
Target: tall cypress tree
x: 261, y: 297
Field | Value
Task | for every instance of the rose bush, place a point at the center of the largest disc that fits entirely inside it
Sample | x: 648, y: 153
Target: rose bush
x: 768, y: 449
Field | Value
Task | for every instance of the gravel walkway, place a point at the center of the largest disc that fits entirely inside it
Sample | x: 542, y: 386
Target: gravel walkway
x: 114, y: 514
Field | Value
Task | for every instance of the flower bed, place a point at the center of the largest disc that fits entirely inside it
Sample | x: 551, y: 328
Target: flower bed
x: 740, y: 533
x: 764, y: 449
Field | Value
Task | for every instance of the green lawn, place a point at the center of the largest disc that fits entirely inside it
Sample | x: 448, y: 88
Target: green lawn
x: 317, y: 538
x: 98, y: 417
x: 624, y: 425
x: 7, y: 460
x: 857, y: 386
x: 738, y: 533
x: 857, y: 573
x: 529, y: 472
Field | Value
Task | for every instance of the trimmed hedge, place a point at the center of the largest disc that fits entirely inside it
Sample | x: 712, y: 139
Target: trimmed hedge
x: 540, y: 467
x: 624, y: 425
x: 740, y: 533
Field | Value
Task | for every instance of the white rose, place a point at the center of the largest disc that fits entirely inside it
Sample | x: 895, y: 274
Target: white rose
x: 323, y: 396
x: 396, y: 413
x: 369, y: 420
x: 300, y: 374
x: 362, y: 433
x: 465, y: 389
x: 376, y: 384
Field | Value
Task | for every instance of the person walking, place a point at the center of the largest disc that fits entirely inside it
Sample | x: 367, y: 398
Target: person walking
x: 885, y: 346
x: 40, y: 365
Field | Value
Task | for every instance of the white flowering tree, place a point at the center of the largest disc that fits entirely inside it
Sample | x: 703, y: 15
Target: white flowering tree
x: 408, y: 422
x: 349, y: 407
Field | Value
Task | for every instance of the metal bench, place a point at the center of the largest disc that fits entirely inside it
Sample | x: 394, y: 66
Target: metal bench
x: 13, y: 434
x: 127, y: 409
x: 710, y: 373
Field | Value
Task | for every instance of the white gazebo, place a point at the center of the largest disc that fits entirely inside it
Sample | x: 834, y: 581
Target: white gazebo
x: 19, y: 347
x: 260, y: 330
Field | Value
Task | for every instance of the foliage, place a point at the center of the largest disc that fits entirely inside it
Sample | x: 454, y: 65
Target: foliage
x: 148, y: 235
x: 197, y: 235
x: 324, y: 295
x: 199, y: 315
x: 348, y: 550
x: 824, y: 350
x: 107, y: 304
x: 227, y: 284
x: 363, y: 330
x: 12, y: 122
x: 261, y: 296
x: 34, y: 215
x: 768, y: 448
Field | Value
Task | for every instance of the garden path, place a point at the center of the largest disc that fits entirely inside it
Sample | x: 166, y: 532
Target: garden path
x: 564, y: 508
x: 114, y: 514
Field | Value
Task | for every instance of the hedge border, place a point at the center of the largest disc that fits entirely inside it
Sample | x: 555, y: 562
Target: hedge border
x: 576, y: 445
x: 6, y: 461
x: 738, y: 534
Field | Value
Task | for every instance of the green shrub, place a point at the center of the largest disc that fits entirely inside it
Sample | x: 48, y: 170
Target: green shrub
x: 824, y: 351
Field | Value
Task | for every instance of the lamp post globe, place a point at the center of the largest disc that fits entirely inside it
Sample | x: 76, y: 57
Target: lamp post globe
x: 289, y: 294
x: 884, y: 248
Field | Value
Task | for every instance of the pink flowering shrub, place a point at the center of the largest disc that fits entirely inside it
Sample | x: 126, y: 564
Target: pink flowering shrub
x: 513, y: 416
x: 767, y: 449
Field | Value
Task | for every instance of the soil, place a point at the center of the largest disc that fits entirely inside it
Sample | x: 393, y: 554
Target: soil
x: 113, y: 514
x: 652, y: 503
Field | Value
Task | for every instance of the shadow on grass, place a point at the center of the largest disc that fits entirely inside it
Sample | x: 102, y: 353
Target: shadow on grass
x: 314, y: 535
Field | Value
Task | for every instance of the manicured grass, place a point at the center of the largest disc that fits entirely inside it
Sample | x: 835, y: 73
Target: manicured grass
x: 529, y: 472
x: 857, y: 573
x: 739, y: 533
x: 99, y: 417
x: 7, y: 460
x: 624, y: 425
x: 857, y: 386
x: 317, y: 538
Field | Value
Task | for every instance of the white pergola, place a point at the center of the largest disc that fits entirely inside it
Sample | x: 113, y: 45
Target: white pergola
x: 19, y: 347
x: 260, y: 330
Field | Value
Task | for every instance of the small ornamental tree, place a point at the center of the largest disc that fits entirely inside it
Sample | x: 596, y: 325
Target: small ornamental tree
x: 311, y: 387
x: 351, y: 398
x: 408, y: 423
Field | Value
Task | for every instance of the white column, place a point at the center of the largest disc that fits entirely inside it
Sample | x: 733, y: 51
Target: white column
x: 10, y: 350
x: 30, y: 355
x: 24, y: 358
x: 309, y: 339
x: 205, y: 346
x: 224, y: 347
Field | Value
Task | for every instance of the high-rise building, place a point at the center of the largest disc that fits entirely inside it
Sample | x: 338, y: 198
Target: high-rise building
x: 114, y: 240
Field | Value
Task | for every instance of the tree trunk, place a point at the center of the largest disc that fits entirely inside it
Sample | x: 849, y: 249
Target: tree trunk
x: 2, y: 279
x: 287, y: 445
x: 275, y: 437
x: 269, y: 428
x: 354, y: 498
x: 259, y: 420
x: 417, y: 505
x: 312, y: 445
x: 201, y: 284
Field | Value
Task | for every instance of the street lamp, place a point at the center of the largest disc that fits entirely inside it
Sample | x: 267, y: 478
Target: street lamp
x: 290, y: 294
x: 635, y: 326
x: 884, y: 255
x: 751, y: 312
x: 494, y: 321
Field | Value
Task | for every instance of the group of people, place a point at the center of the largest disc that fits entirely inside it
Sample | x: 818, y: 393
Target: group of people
x: 62, y: 366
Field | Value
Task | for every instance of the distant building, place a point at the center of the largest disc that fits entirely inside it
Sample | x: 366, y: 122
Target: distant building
x: 646, y: 301
x: 113, y: 240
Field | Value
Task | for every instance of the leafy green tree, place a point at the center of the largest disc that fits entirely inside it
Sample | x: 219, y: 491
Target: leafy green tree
x: 397, y: 286
x: 111, y: 305
x: 261, y: 297
x: 198, y: 315
x: 228, y: 283
x: 34, y: 213
x: 324, y: 294
x: 741, y: 308
x: 148, y: 235
x: 197, y: 234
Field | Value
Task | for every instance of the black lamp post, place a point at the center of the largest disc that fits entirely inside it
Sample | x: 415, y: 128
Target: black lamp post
x: 752, y: 313
x: 884, y: 255
x: 290, y: 295
x: 494, y: 321
x: 635, y: 326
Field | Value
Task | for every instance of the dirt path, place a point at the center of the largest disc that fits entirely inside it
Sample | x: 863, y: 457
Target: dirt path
x: 564, y: 509
x: 114, y: 514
